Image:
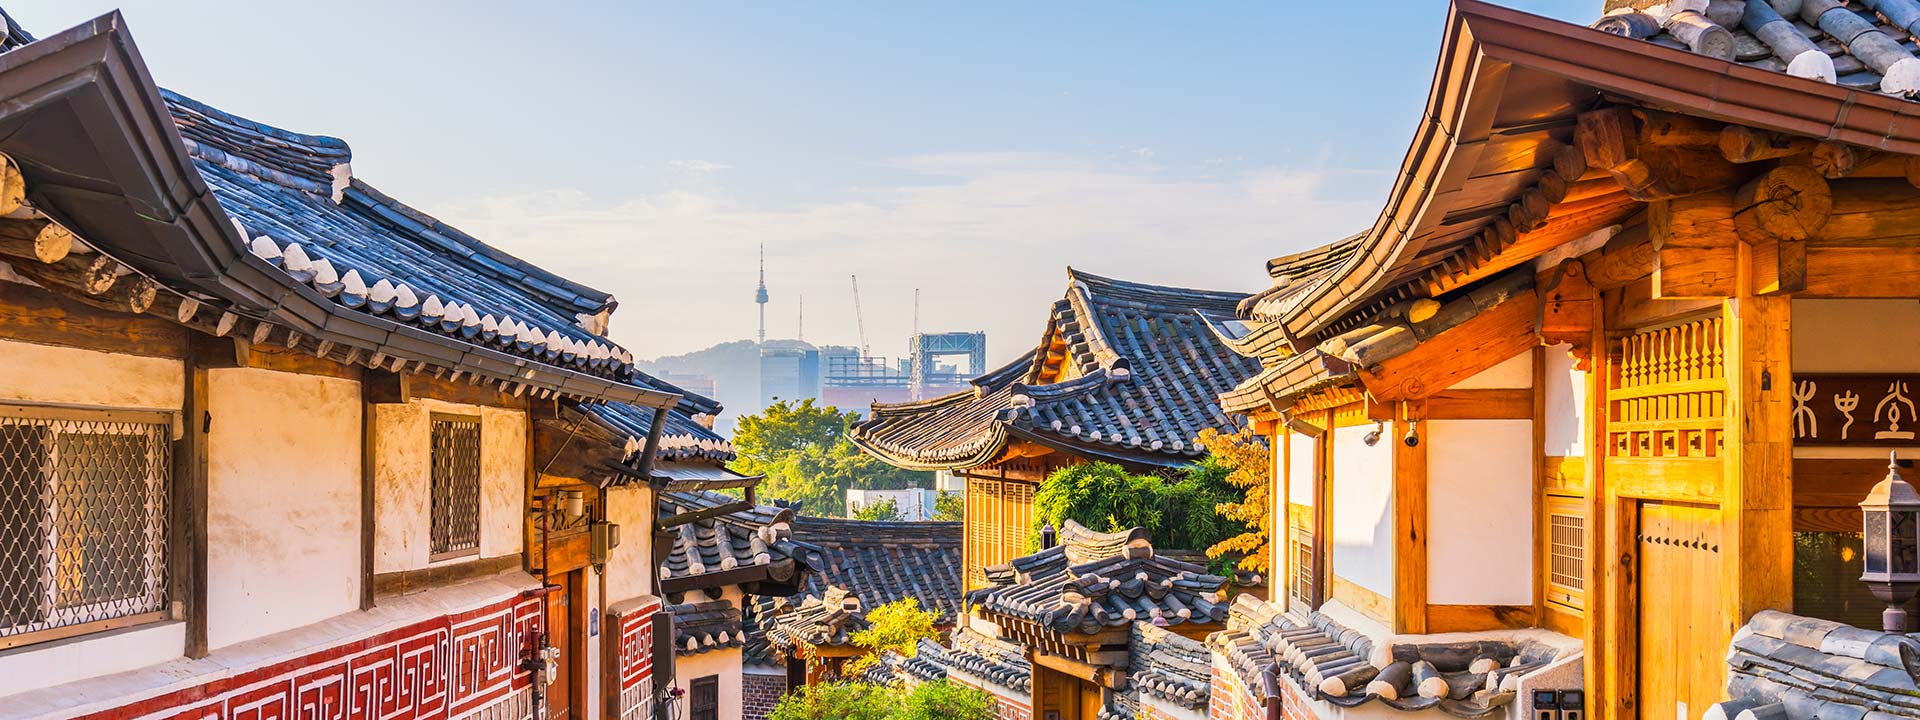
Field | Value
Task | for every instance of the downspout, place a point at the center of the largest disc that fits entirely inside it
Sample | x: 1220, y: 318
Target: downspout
x: 1270, y: 684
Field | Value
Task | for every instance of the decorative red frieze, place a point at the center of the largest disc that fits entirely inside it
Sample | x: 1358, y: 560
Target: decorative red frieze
x: 451, y: 666
x: 635, y: 652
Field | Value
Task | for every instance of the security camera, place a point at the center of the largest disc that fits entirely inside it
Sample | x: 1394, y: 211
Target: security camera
x: 1413, y: 434
x: 1372, y: 437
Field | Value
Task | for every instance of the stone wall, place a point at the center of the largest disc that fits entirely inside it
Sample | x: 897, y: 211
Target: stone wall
x: 762, y: 693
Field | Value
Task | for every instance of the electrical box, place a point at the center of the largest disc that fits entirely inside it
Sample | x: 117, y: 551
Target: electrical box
x: 1546, y: 705
x: 606, y: 537
x: 1573, y: 705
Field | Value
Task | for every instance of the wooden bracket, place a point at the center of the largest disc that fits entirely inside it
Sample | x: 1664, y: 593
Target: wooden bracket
x: 387, y: 388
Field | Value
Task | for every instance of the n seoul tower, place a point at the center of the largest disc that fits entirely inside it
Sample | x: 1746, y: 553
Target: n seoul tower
x: 760, y: 296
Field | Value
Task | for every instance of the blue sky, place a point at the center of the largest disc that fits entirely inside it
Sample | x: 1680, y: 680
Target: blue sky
x: 972, y: 150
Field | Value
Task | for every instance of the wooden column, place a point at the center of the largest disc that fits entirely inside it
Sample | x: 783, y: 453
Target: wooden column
x: 1757, y: 505
x: 1410, y: 531
x: 1609, y: 680
x: 190, y: 498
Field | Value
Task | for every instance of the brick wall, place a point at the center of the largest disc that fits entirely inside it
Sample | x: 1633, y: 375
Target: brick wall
x: 1230, y: 698
x: 760, y: 693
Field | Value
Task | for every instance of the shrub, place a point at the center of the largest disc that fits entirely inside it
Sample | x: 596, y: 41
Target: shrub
x: 946, y: 700
x: 836, y: 701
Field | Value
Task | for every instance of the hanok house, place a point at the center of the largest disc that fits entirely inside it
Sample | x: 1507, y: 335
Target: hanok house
x: 862, y: 565
x: 1603, y: 386
x: 721, y: 551
x: 272, y: 442
x: 1097, y: 626
x: 1125, y: 373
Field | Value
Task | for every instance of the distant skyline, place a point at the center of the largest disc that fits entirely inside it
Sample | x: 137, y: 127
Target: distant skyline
x: 972, y: 151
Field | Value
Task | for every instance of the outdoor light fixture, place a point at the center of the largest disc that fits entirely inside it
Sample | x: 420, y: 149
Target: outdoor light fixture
x: 1372, y: 437
x: 1892, y: 540
x: 1413, y: 434
x: 1047, y: 536
x: 573, y: 503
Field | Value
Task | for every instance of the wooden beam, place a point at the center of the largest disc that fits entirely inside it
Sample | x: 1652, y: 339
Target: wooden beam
x: 1478, y: 618
x: 1104, y: 677
x: 1493, y: 336
x: 44, y: 317
x: 1654, y: 156
x: 1479, y: 404
x: 369, y: 488
x: 1756, y: 512
x: 387, y: 388
x: 214, y: 352
x: 1693, y: 242
x: 1410, y: 531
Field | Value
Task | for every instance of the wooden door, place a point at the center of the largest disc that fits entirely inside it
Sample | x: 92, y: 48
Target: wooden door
x: 560, y: 633
x: 1681, y: 610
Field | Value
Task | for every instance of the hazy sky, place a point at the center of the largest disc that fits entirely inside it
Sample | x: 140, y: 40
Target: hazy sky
x: 969, y: 149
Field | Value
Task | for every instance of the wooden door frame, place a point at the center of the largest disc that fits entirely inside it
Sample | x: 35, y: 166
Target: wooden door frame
x: 576, y: 655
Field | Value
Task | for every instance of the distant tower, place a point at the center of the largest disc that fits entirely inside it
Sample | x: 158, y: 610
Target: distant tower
x: 760, y: 296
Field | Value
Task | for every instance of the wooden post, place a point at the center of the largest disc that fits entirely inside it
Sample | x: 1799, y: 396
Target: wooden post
x: 190, y: 494
x: 1757, y: 504
x: 1410, y: 530
x: 369, y: 468
x: 1603, y: 667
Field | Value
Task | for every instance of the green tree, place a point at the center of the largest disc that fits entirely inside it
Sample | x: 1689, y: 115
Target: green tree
x: 898, y: 626
x: 803, y: 450
x: 839, y: 700
x: 1101, y: 496
x: 946, y: 700
x: 887, y: 510
x: 947, y: 507
x: 1179, y: 512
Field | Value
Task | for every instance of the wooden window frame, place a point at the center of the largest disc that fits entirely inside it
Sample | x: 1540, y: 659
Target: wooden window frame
x: 1316, y: 429
x: 167, y: 490
x: 694, y: 689
x: 479, y: 481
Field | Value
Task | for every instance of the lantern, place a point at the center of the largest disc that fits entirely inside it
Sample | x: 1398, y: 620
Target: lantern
x: 1892, y: 540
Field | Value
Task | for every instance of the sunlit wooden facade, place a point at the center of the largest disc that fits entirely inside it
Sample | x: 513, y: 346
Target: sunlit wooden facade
x: 1634, y: 332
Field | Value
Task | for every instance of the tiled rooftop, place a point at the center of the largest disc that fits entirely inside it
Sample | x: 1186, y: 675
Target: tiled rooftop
x: 748, y: 546
x: 1866, y: 44
x: 1807, y: 668
x: 827, y: 619
x: 1124, y: 370
x: 706, y: 626
x: 881, y: 562
x: 1093, y: 581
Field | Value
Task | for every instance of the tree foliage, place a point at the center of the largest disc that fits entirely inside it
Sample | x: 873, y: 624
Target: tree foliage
x: 846, y: 700
x: 949, y: 507
x: 804, y: 451
x: 887, y: 510
x: 1179, y: 512
x: 946, y: 700
x: 1249, y: 465
x: 898, y: 626
x: 839, y: 700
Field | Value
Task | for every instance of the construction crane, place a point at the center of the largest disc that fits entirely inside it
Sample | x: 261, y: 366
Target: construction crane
x: 859, y: 321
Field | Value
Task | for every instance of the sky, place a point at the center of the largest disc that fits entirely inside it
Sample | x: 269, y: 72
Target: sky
x: 972, y: 151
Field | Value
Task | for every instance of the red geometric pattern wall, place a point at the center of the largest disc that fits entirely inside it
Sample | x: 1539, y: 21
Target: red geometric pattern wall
x: 451, y: 666
x: 636, y: 661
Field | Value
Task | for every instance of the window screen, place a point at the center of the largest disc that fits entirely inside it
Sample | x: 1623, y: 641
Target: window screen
x: 456, y: 486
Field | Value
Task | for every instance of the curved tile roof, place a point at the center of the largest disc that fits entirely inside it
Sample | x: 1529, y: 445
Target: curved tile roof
x: 881, y: 562
x: 1093, y: 581
x: 744, y: 547
x: 706, y: 626
x: 1124, y: 371
x: 294, y: 199
x: 684, y: 438
x: 826, y: 619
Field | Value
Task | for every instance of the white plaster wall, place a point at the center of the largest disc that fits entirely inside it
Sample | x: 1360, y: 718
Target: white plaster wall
x: 71, y: 376
x: 1855, y: 336
x: 1362, y: 490
x: 726, y: 663
x: 41, y: 666
x: 1299, y: 470
x: 1514, y: 372
x: 403, y: 496
x: 283, y: 515
x: 629, y: 572
x: 1566, y: 389
x: 1479, y: 512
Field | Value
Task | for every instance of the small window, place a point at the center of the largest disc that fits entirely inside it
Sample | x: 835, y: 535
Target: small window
x: 1302, y: 584
x: 705, y: 698
x: 456, y: 486
x: 1566, y: 551
x: 83, y: 520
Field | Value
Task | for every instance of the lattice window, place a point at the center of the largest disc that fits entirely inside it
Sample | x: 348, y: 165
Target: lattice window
x: 456, y: 486
x: 1566, y: 551
x: 83, y: 520
x: 1303, y: 584
x: 1016, y: 521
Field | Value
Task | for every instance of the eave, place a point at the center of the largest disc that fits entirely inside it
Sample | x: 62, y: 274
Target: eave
x: 1491, y: 54
x: 91, y: 131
